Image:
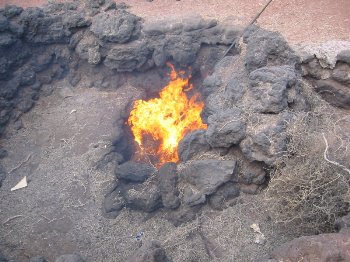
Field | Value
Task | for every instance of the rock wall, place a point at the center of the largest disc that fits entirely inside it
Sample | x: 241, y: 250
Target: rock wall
x: 98, y: 42
x: 328, y: 68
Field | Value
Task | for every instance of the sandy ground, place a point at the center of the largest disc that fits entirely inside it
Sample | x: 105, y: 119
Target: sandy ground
x: 300, y: 21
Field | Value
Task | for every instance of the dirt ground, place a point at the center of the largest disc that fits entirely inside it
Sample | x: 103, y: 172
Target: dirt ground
x: 300, y: 21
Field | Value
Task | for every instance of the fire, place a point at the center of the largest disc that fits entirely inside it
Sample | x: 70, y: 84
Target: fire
x: 167, y: 119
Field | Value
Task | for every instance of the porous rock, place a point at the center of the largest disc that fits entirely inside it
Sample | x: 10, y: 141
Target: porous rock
x: 225, y: 193
x: 128, y: 58
x: 113, y: 203
x: 168, y: 177
x: 183, y: 214
x: 267, y: 141
x: 334, y: 93
x: 210, y: 85
x: 144, y: 197
x: 265, y: 48
x: 344, y: 56
x: 342, y: 223
x: 149, y: 252
x: 324, y: 247
x: 252, y: 173
x: 117, y: 26
x: 43, y: 28
x: 236, y: 87
x: 215, y: 103
x: 341, y: 73
x: 12, y: 10
x: 69, y: 258
x: 225, y: 128
x: 205, y: 177
x: 181, y: 49
x: 268, y: 86
x: 134, y: 172
x: 192, y: 144
x: 88, y: 49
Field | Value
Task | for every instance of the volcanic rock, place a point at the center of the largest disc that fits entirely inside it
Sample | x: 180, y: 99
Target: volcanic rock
x: 134, y: 172
x: 149, y: 252
x: 113, y: 203
x: 341, y: 73
x: 6, y: 39
x: 43, y: 61
x: 75, y: 20
x: 267, y: 141
x: 3, y: 153
x: 117, y: 26
x: 69, y: 258
x: 183, y: 214
x: 344, y: 56
x: 12, y: 10
x: 324, y: 247
x: 27, y: 77
x: 2, y: 174
x: 167, y: 177
x: 145, y: 197
x: 156, y: 28
x: 192, y: 144
x: 252, y: 173
x: 334, y: 93
x: 226, y: 192
x: 42, y: 28
x: 265, y: 48
x: 25, y: 105
x: 268, y: 86
x: 9, y: 90
x: 235, y: 88
x: 342, y: 223
x: 210, y: 85
x: 225, y: 128
x: 182, y: 49
x: 2, y: 257
x: 37, y: 259
x: 128, y: 58
x: 4, y: 24
x: 205, y: 177
x: 88, y: 49
x: 215, y: 103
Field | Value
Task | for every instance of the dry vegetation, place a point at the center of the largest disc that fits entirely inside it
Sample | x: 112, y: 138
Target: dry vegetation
x: 309, y: 188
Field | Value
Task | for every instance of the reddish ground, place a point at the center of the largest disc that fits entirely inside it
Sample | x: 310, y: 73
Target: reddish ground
x: 298, y: 20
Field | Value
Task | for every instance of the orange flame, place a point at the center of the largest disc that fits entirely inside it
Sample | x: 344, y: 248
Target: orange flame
x: 166, y: 119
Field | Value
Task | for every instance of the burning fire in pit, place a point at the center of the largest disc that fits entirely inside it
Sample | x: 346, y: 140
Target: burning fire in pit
x: 166, y: 120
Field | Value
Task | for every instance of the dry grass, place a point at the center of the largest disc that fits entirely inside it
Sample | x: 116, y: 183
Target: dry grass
x: 310, y: 185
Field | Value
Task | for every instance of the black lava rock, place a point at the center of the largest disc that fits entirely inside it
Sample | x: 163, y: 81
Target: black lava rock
x: 134, y: 172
